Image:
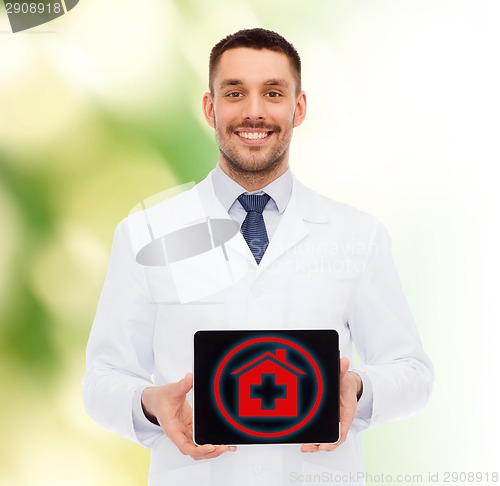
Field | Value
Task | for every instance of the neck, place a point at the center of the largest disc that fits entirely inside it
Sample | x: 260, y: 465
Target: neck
x: 253, y: 181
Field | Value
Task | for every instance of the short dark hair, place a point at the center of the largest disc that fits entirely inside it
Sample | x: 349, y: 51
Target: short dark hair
x: 255, y: 39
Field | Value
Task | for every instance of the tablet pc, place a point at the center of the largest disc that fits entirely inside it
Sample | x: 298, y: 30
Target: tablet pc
x: 266, y: 387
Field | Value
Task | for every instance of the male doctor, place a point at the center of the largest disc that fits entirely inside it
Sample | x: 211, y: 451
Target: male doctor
x: 308, y: 261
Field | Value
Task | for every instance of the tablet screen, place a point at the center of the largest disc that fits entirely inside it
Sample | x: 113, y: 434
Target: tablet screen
x: 266, y: 387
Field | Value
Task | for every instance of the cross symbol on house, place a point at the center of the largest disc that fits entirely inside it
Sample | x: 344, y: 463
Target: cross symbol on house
x: 268, y: 386
x: 268, y: 391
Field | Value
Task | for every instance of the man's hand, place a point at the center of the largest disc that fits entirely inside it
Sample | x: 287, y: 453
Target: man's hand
x: 350, y: 389
x: 169, y: 406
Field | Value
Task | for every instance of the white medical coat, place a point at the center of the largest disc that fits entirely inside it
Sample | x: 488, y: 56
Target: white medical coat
x: 327, y: 266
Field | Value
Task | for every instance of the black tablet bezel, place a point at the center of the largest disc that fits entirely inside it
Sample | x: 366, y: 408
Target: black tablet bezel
x: 209, y: 349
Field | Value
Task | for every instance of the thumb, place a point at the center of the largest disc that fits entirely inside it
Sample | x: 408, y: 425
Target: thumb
x: 344, y: 367
x: 184, y: 385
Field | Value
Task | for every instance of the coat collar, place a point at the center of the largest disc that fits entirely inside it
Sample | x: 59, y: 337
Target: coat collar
x: 303, y: 211
x: 227, y: 190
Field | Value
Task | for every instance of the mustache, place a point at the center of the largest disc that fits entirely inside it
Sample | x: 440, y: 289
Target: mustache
x: 258, y: 125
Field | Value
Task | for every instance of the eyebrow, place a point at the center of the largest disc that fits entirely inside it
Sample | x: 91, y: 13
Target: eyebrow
x: 276, y: 82
x: 230, y: 82
x: 237, y: 82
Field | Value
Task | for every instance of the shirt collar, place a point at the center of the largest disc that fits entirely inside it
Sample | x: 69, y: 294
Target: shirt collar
x: 227, y: 190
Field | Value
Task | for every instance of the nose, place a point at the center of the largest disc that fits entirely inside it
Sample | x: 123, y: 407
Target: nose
x: 254, y: 108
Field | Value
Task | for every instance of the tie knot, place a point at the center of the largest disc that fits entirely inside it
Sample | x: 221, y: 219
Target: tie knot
x: 254, y: 202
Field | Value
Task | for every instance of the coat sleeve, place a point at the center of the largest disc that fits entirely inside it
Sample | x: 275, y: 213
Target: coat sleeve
x: 386, y: 338
x: 120, y: 347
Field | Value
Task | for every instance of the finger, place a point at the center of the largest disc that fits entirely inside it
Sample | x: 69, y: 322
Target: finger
x: 182, y: 387
x: 188, y: 380
x: 319, y: 447
x: 344, y: 367
x: 182, y: 438
x: 189, y: 448
x: 309, y: 448
x: 328, y: 447
x: 219, y: 450
x: 185, y: 384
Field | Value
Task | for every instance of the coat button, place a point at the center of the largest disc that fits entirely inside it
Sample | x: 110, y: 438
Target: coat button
x: 257, y: 469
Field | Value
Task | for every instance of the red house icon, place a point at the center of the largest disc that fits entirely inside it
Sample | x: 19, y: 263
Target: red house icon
x: 268, y: 386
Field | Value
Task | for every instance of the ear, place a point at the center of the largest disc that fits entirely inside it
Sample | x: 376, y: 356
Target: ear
x: 300, y: 109
x: 208, y: 109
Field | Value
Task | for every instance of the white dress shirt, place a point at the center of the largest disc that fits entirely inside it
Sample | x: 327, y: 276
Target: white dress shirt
x: 227, y: 191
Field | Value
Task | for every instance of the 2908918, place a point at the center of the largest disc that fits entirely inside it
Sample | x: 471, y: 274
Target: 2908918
x: 470, y: 477
x: 33, y: 8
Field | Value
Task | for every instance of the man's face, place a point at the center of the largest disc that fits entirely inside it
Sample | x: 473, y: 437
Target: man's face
x: 254, y: 108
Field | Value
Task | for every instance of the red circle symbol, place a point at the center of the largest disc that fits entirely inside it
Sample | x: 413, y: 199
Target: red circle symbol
x: 257, y: 433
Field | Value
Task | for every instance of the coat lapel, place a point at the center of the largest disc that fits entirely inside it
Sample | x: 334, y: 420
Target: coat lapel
x: 295, y: 224
x: 301, y: 213
x: 214, y: 209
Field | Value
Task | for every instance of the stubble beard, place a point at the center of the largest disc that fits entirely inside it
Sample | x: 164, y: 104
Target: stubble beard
x: 253, y: 165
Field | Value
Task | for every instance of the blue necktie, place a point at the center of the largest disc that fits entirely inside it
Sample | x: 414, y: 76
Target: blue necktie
x: 253, y: 228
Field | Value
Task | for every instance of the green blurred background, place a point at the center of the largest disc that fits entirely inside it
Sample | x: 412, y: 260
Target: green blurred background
x: 102, y: 108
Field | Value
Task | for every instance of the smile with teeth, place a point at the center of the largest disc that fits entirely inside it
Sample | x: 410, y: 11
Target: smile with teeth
x: 253, y: 135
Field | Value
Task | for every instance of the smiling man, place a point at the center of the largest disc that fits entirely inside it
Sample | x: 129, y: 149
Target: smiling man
x: 255, y: 113
x: 311, y: 262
